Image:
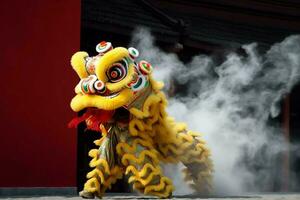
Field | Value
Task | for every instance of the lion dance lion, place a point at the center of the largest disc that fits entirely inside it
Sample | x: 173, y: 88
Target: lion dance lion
x: 124, y: 103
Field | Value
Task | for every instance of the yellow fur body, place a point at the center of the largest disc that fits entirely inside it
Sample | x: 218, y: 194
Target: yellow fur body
x: 150, y: 138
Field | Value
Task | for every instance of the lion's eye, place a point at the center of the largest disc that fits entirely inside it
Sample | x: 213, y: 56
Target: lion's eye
x: 117, y: 71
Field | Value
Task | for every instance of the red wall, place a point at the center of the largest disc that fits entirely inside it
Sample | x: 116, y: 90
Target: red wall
x: 38, y: 38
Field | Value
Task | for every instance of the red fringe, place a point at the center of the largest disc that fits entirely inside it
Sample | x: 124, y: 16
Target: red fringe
x: 94, y: 118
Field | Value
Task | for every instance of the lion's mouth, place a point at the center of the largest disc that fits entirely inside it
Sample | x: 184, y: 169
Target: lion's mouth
x: 111, y: 95
x: 94, y: 117
x: 107, y: 101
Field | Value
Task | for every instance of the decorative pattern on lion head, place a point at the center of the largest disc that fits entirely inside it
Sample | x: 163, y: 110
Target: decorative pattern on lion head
x: 111, y: 79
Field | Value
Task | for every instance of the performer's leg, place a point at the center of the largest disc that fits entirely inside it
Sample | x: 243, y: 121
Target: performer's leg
x: 106, y: 170
x: 101, y: 177
x: 199, y: 177
x: 188, y: 148
x: 142, y: 167
x: 198, y: 164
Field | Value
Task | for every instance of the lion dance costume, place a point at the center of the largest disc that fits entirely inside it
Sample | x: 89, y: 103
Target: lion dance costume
x: 126, y: 105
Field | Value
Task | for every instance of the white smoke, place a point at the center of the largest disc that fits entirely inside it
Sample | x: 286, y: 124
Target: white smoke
x: 231, y: 104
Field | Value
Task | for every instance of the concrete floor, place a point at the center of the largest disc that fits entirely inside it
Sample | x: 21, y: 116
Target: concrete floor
x: 129, y: 197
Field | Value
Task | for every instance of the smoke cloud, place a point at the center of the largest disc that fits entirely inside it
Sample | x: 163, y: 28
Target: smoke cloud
x: 231, y: 104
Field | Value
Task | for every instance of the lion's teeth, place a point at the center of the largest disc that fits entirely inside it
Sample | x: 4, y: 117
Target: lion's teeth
x: 112, y: 95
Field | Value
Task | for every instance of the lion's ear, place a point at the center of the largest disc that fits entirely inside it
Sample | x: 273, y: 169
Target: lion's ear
x: 78, y: 62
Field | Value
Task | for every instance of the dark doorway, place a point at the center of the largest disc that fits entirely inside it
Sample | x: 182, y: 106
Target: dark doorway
x: 295, y: 138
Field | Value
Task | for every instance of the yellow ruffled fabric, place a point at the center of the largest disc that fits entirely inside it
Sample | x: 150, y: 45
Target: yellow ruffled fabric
x: 142, y: 166
x: 172, y: 140
x: 102, y: 176
x: 153, y: 137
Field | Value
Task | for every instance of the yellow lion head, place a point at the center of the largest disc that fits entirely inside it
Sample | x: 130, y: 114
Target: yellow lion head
x: 111, y: 79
